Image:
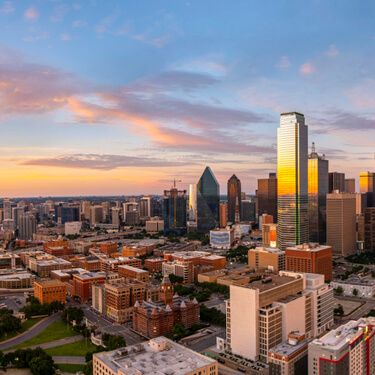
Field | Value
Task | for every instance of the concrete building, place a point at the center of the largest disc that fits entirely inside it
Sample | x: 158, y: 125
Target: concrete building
x: 261, y: 315
x: 289, y: 357
x: 269, y: 235
x: 310, y: 258
x: 346, y: 350
x: 266, y: 258
x: 43, y: 264
x: 26, y: 226
x: 156, y: 356
x: 356, y: 286
x: 50, y: 291
x: 341, y: 223
x: 98, y: 298
x: 369, y: 229
x: 112, y: 264
x: 11, y: 279
x: 96, y: 215
x: 72, y: 227
x: 222, y: 238
x: 154, y: 225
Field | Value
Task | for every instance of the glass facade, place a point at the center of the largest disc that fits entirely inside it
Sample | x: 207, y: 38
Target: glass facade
x: 208, y: 199
x: 234, y: 200
x: 318, y: 190
x: 267, y: 196
x: 292, y: 200
x: 174, y: 211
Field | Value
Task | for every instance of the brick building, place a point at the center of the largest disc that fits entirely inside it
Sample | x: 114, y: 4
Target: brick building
x: 58, y: 248
x: 154, y: 265
x: 49, y: 291
x: 82, y: 284
x: 133, y: 273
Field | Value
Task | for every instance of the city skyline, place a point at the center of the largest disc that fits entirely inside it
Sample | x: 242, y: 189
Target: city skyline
x: 107, y: 100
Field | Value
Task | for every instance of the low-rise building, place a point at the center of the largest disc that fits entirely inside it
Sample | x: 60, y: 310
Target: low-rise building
x: 48, y: 291
x: 356, y: 286
x: 58, y: 248
x: 154, y: 226
x: 11, y: 279
x: 72, y: 228
x: 133, y: 273
x: 266, y: 257
x: 157, y: 356
x: 43, y: 264
x: 112, y: 264
x: 222, y: 238
x: 82, y: 284
x: 154, y: 265
x: 9, y: 261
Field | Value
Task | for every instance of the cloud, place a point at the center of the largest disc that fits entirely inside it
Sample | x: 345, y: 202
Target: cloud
x: 102, y: 162
x: 78, y: 24
x: 65, y: 37
x: 332, y: 51
x: 283, y: 63
x: 31, y: 14
x: 7, y: 7
x: 307, y: 68
x: 363, y: 94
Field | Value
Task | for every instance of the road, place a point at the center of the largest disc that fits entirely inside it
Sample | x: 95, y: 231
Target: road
x: 69, y: 360
x: 32, y: 332
x: 106, y: 325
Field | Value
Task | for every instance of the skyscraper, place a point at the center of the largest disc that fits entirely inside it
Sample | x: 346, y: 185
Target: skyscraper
x: 27, y: 226
x: 7, y: 208
x: 336, y: 182
x: 208, y: 199
x: 292, y: 204
x: 318, y: 190
x: 145, y: 207
x: 223, y: 214
x: 193, y: 202
x: 367, y: 186
x: 267, y: 196
x: 174, y: 211
x: 350, y: 185
x: 234, y: 199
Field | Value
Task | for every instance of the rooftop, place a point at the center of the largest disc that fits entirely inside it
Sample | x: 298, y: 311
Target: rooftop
x: 131, y: 268
x: 157, y: 356
x: 288, y: 348
x: 312, y: 247
x: 270, y: 282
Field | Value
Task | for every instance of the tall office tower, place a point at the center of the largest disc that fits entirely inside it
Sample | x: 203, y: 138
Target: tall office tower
x: 27, y: 226
x: 223, y: 214
x: 85, y: 210
x: 261, y: 315
x: 7, y: 208
x: 267, y: 196
x: 17, y: 212
x: 341, y: 223
x: 346, y: 350
x: 174, y: 211
x: 292, y: 198
x: 369, y: 230
x: 208, y: 199
x: 131, y: 213
x: 115, y: 216
x: 193, y: 202
x: 350, y: 185
x: 66, y: 213
x: 318, y: 190
x: 248, y: 210
x: 336, y: 182
x: 234, y: 200
x: 157, y: 206
x: 145, y: 207
x: 96, y: 215
x: 106, y: 211
x: 367, y: 187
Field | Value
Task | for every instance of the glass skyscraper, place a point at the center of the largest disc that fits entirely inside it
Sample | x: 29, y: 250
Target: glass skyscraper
x: 174, y: 211
x: 234, y: 200
x: 318, y: 190
x: 292, y: 199
x: 208, y: 199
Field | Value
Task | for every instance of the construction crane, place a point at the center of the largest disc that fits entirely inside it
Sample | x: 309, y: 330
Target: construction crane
x: 174, y: 182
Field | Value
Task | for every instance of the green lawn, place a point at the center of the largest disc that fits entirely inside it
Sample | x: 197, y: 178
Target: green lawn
x: 79, y: 349
x: 27, y: 324
x: 56, y: 331
x: 71, y: 368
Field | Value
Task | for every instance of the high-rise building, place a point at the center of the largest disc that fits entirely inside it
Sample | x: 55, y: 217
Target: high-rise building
x: 318, y: 190
x: 310, y: 258
x: 17, y: 212
x: 369, y: 230
x: 341, y: 223
x: 193, y: 202
x: 174, y: 211
x: 131, y: 213
x: 267, y: 195
x: 26, y: 226
x: 223, y: 214
x: 85, y: 210
x: 336, y: 181
x: 367, y: 187
x: 115, y: 216
x: 261, y: 315
x: 7, y: 208
x: 96, y: 215
x: 350, y: 185
x: 145, y: 207
x: 66, y: 213
x: 234, y: 199
x: 248, y: 210
x: 269, y: 235
x: 292, y: 198
x: 346, y: 350
x: 208, y: 199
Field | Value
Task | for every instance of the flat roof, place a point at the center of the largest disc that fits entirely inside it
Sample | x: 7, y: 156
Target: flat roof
x: 131, y: 268
x: 276, y: 280
x: 157, y: 356
x: 310, y: 247
x: 287, y: 349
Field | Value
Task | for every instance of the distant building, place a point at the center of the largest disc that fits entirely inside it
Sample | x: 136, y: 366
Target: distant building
x: 269, y: 235
x: 131, y: 213
x: 336, y: 182
x: 369, y: 229
x: 341, y: 223
x: 208, y: 198
x: 192, y: 202
x: 154, y: 225
x: 310, y: 258
x: 346, y: 350
x: 234, y: 200
x: 223, y: 214
x: 65, y: 213
x: 248, y: 210
x: 350, y: 185
x: 96, y: 215
x: 364, y: 288
x: 26, y: 226
x: 133, y: 273
x: 50, y: 291
x: 222, y: 238
x: 267, y: 195
x: 156, y: 356
x: 72, y: 228
x: 174, y: 211
x: 145, y: 207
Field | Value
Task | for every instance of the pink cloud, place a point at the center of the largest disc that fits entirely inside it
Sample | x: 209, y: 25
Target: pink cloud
x: 31, y: 14
x: 307, y: 68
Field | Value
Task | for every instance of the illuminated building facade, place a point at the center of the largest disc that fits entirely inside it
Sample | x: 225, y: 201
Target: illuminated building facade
x: 174, y: 211
x: 234, y: 200
x: 267, y: 196
x: 292, y: 189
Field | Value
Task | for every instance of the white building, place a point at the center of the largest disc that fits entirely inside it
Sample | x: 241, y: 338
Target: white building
x: 72, y: 227
x: 222, y: 238
x: 365, y: 288
x: 156, y: 356
x: 346, y: 350
x: 154, y: 226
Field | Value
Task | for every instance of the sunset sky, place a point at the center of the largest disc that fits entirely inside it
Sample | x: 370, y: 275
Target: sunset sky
x: 121, y: 97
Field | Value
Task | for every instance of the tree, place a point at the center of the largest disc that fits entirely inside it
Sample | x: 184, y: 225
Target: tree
x: 179, y: 331
x: 355, y: 292
x: 339, y: 310
x: 42, y: 366
x: 113, y: 342
x: 73, y: 313
x: 175, y: 279
x: 339, y: 291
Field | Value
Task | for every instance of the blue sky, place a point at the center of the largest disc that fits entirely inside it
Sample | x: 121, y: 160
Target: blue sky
x: 114, y: 97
